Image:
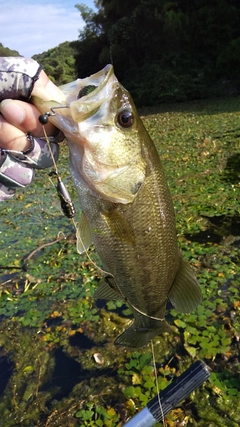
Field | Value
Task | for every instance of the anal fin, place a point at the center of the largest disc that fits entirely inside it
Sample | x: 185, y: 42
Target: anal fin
x: 107, y: 289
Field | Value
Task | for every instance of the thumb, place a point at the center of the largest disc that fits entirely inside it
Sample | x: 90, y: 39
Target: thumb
x: 23, y: 116
x: 45, y: 89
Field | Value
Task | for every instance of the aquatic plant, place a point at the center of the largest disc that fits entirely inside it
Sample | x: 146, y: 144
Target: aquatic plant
x: 51, y: 325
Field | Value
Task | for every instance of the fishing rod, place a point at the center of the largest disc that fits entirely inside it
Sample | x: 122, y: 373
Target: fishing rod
x: 171, y: 396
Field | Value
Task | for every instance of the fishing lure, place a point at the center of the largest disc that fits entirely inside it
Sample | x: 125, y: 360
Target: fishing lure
x: 43, y: 118
x: 66, y: 202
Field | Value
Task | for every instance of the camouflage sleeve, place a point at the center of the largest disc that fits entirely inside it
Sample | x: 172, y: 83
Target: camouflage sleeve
x: 38, y: 156
x: 17, y: 77
x: 5, y: 192
x: 14, y: 174
x: 17, y: 167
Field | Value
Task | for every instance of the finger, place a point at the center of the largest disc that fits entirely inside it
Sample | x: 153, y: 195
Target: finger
x: 24, y: 116
x: 12, y: 138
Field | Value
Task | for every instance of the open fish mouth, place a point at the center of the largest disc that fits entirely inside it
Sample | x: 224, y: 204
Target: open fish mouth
x: 85, y: 96
x: 95, y: 83
x: 81, y: 99
x: 79, y: 88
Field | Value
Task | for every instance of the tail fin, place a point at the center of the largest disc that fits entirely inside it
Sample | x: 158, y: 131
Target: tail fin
x: 138, y: 338
x: 142, y: 330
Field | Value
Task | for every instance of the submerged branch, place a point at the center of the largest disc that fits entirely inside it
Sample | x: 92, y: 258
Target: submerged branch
x: 25, y: 261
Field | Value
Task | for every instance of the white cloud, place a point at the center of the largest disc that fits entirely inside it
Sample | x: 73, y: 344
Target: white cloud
x: 32, y: 28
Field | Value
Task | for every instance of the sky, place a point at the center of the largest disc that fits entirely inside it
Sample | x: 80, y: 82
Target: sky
x: 32, y: 27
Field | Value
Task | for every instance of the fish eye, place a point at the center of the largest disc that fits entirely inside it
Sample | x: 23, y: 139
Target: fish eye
x: 125, y: 118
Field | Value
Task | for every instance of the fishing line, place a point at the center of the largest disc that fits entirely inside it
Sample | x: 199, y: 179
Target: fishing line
x: 65, y: 199
x: 69, y: 209
x: 86, y: 251
x: 157, y: 386
x: 67, y: 203
x: 50, y: 149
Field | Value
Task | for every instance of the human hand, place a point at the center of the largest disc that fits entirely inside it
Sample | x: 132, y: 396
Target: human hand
x: 22, y: 142
x: 19, y: 118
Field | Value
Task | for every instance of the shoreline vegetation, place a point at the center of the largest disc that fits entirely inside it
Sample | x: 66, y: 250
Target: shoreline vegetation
x: 168, y: 51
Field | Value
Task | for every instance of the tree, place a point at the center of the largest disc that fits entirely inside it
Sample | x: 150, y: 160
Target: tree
x: 5, y: 51
x: 163, y: 49
x: 59, y: 62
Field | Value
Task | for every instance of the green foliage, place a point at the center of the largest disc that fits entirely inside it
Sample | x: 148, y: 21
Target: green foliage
x: 141, y: 371
x: 90, y: 46
x: 228, y: 60
x: 47, y: 307
x: 161, y: 51
x: 97, y: 416
x: 5, y: 51
x: 59, y: 63
x: 164, y: 51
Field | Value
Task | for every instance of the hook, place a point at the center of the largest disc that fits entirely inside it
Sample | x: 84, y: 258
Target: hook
x: 43, y: 118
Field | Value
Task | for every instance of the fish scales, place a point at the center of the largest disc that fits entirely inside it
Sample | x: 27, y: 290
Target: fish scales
x: 127, y: 210
x: 144, y: 283
x: 141, y: 270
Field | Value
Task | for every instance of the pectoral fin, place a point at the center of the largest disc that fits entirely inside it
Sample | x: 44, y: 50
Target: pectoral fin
x: 185, y: 293
x: 119, y: 226
x: 83, y: 234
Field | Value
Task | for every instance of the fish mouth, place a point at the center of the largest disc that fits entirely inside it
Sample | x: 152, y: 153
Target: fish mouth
x: 95, y: 82
x: 90, y: 93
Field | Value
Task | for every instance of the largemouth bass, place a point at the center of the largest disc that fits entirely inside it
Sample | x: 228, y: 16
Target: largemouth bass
x: 127, y: 210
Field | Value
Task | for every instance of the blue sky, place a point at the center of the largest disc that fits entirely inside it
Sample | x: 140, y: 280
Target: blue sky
x: 32, y: 27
